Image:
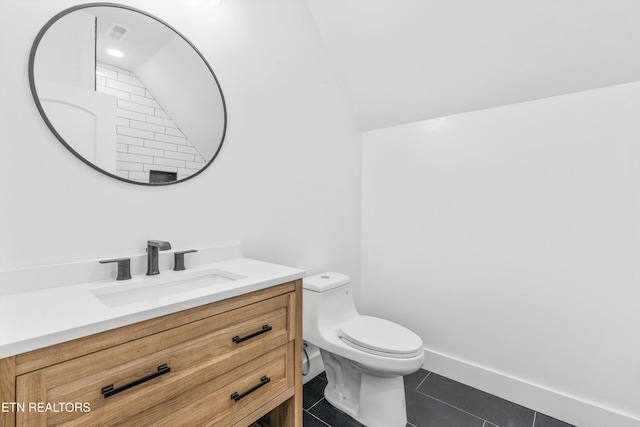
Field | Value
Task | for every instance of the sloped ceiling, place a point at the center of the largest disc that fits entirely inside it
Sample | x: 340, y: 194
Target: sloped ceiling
x: 400, y: 61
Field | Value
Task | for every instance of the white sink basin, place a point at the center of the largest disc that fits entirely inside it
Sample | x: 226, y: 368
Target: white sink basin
x: 163, y: 285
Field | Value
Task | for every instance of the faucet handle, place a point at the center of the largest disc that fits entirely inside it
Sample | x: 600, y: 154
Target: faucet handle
x: 178, y: 264
x: 124, y: 267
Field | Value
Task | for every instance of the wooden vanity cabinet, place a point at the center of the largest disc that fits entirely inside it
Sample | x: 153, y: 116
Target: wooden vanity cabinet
x: 228, y: 363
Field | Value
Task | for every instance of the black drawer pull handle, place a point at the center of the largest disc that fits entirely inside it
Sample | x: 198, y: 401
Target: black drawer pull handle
x: 235, y: 396
x: 110, y: 391
x: 265, y: 328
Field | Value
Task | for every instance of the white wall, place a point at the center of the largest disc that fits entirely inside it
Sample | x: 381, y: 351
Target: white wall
x: 286, y: 183
x: 509, y: 240
x: 167, y: 68
x: 68, y: 52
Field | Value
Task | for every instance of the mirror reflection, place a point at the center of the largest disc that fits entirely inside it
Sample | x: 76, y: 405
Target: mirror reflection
x: 127, y: 94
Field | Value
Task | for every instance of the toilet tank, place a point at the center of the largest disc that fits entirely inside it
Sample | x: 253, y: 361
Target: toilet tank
x: 327, y: 302
x: 324, y: 282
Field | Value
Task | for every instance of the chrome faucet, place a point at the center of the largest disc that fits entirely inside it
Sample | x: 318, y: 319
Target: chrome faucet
x: 153, y: 247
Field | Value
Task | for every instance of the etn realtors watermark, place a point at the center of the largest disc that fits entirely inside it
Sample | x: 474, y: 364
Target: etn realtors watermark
x: 54, y: 407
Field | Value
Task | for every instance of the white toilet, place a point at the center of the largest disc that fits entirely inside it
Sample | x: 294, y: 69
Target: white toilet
x: 364, y: 357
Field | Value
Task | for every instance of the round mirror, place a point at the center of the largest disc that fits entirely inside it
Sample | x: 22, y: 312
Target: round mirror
x: 127, y: 94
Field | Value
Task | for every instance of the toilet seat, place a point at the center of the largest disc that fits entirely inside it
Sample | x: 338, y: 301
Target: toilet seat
x: 381, y: 337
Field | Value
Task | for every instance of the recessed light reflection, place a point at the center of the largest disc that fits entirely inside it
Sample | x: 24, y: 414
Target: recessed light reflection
x: 115, y: 52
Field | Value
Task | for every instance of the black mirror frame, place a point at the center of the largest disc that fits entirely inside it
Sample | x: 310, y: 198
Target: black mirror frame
x: 34, y: 92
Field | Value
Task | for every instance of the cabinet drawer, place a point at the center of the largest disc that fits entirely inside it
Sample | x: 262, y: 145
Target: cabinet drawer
x: 196, y: 354
x: 254, y: 384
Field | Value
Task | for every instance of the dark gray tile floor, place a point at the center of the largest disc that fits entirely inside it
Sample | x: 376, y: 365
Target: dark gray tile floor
x: 432, y: 401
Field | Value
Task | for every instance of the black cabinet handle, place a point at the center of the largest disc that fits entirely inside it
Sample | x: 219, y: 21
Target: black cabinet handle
x: 265, y: 328
x: 110, y: 391
x: 265, y: 379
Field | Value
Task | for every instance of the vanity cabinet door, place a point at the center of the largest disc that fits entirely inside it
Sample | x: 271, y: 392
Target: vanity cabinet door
x: 185, y: 372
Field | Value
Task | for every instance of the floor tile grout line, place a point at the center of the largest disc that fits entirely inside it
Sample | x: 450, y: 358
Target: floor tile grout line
x: 319, y: 419
x: 423, y: 380
x: 454, y: 407
x: 312, y: 406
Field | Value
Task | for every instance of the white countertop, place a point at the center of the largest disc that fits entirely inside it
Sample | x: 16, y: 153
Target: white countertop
x: 40, y: 318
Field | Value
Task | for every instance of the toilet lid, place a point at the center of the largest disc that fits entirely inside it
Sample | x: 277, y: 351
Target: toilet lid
x: 380, y: 336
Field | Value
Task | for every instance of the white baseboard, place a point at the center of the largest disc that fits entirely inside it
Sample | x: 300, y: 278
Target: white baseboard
x: 552, y: 403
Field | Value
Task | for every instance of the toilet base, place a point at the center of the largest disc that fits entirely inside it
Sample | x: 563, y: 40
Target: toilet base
x: 311, y: 362
x: 375, y: 401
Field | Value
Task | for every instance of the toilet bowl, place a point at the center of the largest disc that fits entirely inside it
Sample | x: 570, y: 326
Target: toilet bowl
x: 364, y: 357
